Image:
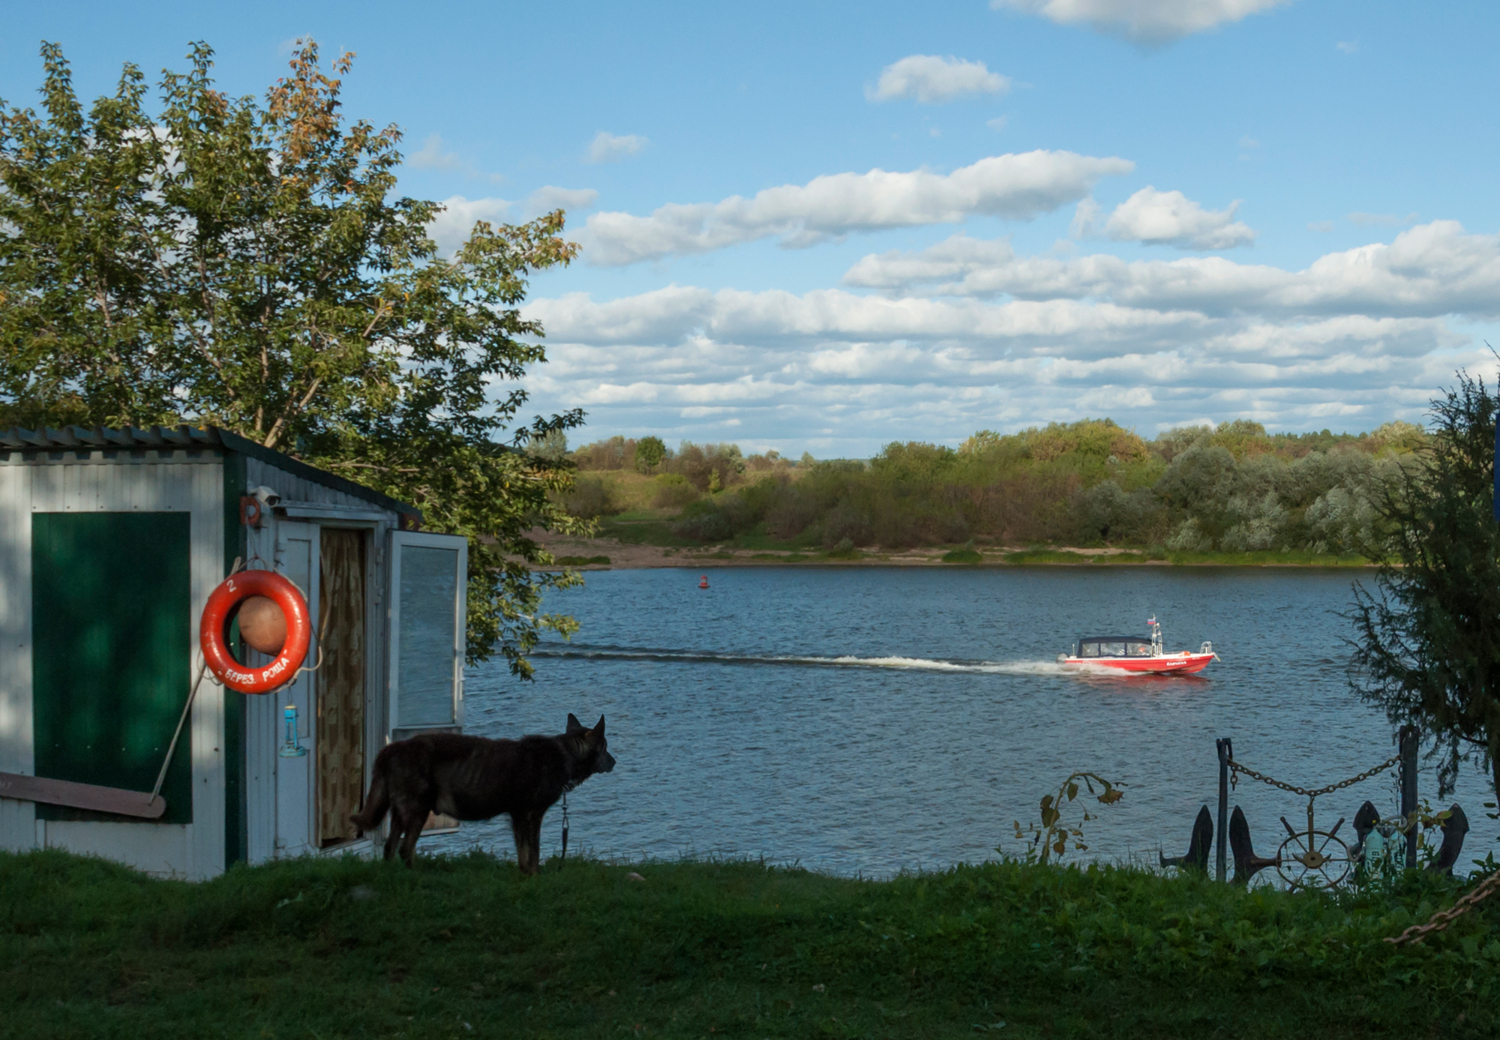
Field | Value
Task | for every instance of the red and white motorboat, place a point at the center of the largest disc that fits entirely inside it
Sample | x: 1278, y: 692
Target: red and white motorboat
x: 1133, y: 654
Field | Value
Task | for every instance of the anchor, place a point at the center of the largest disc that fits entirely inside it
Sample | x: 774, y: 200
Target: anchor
x: 1246, y: 863
x: 1454, y: 829
x: 1197, y: 853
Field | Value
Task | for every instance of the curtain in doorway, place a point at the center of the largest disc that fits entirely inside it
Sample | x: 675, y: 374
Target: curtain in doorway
x: 341, y: 684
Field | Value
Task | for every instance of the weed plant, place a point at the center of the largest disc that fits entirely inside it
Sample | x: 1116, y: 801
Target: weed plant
x: 465, y: 947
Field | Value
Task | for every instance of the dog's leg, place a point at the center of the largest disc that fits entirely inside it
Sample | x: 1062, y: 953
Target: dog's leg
x: 534, y: 838
x: 394, y: 838
x: 520, y: 826
x: 413, y: 827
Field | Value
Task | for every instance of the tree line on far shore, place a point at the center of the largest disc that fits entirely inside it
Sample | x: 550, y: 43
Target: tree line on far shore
x: 1230, y: 488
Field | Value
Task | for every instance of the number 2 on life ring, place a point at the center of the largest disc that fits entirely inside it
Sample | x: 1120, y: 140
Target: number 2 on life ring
x: 221, y: 603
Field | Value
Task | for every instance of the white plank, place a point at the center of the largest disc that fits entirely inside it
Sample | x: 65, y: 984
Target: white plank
x: 17, y: 819
x: 296, y: 815
x: 156, y: 848
x: 204, y: 490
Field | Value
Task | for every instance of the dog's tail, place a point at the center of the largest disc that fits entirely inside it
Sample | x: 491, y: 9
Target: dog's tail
x: 376, y: 802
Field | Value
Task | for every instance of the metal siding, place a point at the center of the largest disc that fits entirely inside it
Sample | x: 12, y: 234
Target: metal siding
x: 17, y: 818
x: 232, y: 486
x: 46, y: 489
x: 297, y: 489
x: 261, y: 717
x: 204, y: 495
x: 93, y: 482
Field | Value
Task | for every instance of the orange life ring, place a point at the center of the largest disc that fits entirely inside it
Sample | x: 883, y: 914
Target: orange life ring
x: 221, y: 603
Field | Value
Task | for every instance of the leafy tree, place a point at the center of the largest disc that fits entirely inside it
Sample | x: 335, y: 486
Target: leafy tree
x: 1428, y: 632
x: 649, y: 451
x: 551, y: 445
x: 250, y: 265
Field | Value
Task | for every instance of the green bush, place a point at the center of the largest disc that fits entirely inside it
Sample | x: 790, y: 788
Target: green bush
x: 673, y: 492
x: 962, y: 556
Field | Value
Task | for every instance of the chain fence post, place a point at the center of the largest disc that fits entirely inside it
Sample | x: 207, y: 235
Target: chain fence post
x: 1410, y: 738
x: 1226, y: 752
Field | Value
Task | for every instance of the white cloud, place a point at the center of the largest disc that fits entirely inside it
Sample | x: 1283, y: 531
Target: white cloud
x: 545, y: 200
x: 1171, y: 218
x: 432, y: 157
x: 837, y: 368
x: 1142, y: 21
x: 1015, y: 186
x: 1085, y: 218
x: 1322, y: 227
x: 1381, y: 219
x: 998, y: 123
x: 452, y: 226
x: 1348, y: 46
x: 607, y: 147
x: 932, y: 80
x: 1428, y: 271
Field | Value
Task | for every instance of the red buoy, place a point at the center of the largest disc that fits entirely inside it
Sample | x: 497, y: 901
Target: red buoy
x: 704, y: 583
x: 235, y: 590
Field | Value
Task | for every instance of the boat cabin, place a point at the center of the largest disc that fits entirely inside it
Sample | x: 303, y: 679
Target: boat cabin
x: 110, y: 543
x: 1114, y: 646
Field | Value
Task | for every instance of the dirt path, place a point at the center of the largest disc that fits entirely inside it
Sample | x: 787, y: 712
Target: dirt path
x: 573, y: 551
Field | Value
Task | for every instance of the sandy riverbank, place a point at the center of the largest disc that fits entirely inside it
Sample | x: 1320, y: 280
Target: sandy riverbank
x: 624, y: 556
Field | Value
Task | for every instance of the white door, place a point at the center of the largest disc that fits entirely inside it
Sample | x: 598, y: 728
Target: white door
x: 428, y: 613
x: 296, y: 813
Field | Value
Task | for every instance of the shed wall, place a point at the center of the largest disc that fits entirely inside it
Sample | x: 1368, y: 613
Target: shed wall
x: 123, y: 481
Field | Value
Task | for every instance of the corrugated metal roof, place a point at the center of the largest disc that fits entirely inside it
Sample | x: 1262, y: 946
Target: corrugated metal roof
x: 48, y: 439
x: 135, y: 438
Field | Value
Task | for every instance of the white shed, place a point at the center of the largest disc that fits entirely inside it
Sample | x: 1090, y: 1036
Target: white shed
x: 110, y: 543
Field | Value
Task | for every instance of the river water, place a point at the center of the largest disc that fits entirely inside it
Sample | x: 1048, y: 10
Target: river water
x: 868, y: 720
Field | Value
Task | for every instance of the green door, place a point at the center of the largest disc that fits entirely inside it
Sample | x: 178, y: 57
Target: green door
x: 111, y: 617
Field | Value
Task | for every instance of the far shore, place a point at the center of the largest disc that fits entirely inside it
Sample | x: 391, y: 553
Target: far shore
x: 585, y: 554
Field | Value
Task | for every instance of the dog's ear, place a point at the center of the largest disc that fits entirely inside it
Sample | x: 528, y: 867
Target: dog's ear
x: 573, y: 724
x: 599, y: 728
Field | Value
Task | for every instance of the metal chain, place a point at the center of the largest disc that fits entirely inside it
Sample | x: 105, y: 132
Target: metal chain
x: 1440, y: 920
x: 1237, y: 769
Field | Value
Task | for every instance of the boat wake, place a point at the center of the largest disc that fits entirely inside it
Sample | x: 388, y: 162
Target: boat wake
x: 895, y: 663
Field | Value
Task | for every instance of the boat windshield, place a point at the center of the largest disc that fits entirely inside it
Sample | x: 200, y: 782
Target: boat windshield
x: 1114, y: 646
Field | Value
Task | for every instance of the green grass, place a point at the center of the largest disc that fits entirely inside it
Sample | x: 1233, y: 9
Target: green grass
x: 1046, y: 556
x: 466, y: 947
x: 644, y: 531
x: 1264, y: 559
x: 963, y: 556
x: 581, y: 561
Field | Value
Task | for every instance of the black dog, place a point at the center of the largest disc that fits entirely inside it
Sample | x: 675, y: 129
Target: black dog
x: 472, y: 778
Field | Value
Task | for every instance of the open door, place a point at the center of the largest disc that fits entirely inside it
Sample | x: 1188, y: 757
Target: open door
x: 428, y: 613
x: 296, y: 787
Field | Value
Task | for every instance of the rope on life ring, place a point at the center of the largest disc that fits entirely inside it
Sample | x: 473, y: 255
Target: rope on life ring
x: 221, y: 603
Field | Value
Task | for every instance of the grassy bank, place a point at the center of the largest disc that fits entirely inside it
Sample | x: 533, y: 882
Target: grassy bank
x: 654, y: 529
x: 466, y: 948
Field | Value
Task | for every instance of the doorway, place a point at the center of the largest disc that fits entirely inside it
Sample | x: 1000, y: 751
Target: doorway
x: 341, y: 683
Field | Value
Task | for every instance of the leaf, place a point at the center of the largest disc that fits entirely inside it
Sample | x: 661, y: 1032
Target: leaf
x: 1072, y: 791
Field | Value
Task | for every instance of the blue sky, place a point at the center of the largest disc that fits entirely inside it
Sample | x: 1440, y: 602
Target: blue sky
x: 828, y: 227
